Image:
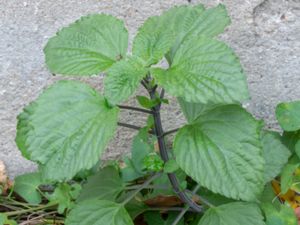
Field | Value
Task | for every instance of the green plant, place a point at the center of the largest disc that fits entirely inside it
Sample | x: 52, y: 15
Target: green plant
x: 223, y: 153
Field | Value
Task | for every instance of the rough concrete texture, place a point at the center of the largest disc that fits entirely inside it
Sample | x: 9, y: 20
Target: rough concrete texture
x: 264, y: 33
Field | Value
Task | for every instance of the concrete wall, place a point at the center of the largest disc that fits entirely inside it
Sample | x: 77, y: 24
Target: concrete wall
x: 264, y: 33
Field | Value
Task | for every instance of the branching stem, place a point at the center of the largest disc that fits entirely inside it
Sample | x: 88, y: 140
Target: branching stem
x: 135, y: 109
x: 129, y: 126
x: 164, y: 155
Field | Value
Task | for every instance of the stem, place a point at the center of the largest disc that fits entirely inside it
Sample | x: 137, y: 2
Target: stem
x: 129, y: 126
x: 185, y: 209
x: 145, y: 184
x: 30, y: 210
x: 167, y: 209
x: 135, y: 109
x: 164, y: 155
x: 171, y: 131
x: 161, y: 187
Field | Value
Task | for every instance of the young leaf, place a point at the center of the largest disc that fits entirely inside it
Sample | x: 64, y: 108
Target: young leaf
x: 288, y: 115
x: 146, y: 102
x: 171, y: 166
x: 122, y: 79
x: 275, y: 153
x: 26, y: 186
x: 204, y: 71
x: 236, y: 213
x: 64, y: 195
x: 285, y: 216
x: 153, y: 162
x: 187, y: 21
x: 224, y: 152
x: 153, y: 40
x: 95, y: 211
x: 88, y: 46
x: 104, y: 185
x: 66, y: 129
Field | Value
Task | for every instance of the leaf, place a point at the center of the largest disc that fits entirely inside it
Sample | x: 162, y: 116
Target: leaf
x: 122, y: 79
x: 290, y: 139
x: 192, y: 110
x: 66, y: 129
x: 26, y: 186
x: 153, y: 40
x: 88, y: 46
x: 285, y: 216
x: 236, y: 213
x: 142, y: 145
x: 187, y: 22
x: 104, y: 185
x: 146, y: 102
x: 171, y: 166
x: 275, y: 153
x: 153, y: 162
x: 287, y: 176
x: 221, y: 150
x: 95, y: 211
x: 214, y: 199
x: 5, y: 221
x: 64, y: 194
x: 135, y: 208
x: 204, y: 71
x: 288, y: 115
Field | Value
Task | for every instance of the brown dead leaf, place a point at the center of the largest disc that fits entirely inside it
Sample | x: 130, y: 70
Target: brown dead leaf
x: 5, y: 183
x: 163, y: 201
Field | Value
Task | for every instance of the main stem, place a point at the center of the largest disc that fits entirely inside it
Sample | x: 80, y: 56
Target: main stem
x: 164, y: 155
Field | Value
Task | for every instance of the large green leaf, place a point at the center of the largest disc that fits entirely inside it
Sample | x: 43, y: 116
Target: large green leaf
x: 288, y: 115
x: 105, y: 184
x: 275, y: 154
x: 192, y: 110
x: 88, y: 46
x: 26, y: 186
x: 204, y: 71
x: 236, y: 213
x: 123, y: 78
x: 153, y: 40
x: 285, y: 216
x: 98, y: 212
x: 187, y: 21
x: 221, y: 150
x: 66, y: 129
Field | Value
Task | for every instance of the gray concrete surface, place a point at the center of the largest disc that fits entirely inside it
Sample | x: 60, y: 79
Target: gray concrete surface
x: 264, y: 33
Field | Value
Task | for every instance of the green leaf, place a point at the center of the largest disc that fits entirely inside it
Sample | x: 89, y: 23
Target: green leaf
x: 213, y: 198
x: 187, y: 22
x: 66, y: 129
x: 88, y: 46
x: 192, y: 110
x: 142, y: 145
x: 64, y: 195
x: 153, y: 40
x: 135, y: 208
x: 153, y: 162
x: 171, y: 166
x: 290, y: 139
x: 146, y: 102
x: 27, y: 187
x: 122, y: 79
x: 95, y: 211
x: 5, y: 221
x: 287, y: 176
x: 275, y: 153
x: 236, y: 213
x: 285, y: 216
x: 268, y: 197
x: 105, y: 185
x: 221, y: 150
x: 204, y: 71
x: 288, y: 115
